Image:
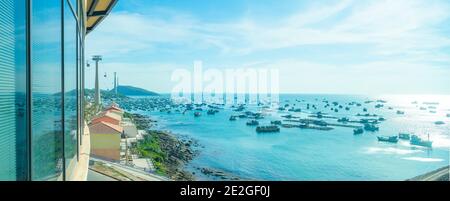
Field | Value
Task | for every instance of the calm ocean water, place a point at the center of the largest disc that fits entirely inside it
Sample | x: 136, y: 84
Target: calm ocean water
x: 298, y: 154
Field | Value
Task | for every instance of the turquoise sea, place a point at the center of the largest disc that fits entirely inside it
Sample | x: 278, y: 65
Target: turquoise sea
x: 303, y: 154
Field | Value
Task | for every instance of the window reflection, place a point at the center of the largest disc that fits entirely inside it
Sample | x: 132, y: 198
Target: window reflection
x: 70, y: 88
x: 47, y: 144
x: 13, y: 161
x: 54, y: 90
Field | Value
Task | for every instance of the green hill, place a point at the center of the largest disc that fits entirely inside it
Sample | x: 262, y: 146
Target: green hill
x: 134, y: 91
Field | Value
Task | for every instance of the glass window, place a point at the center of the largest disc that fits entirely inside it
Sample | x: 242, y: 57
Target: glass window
x: 13, y: 149
x: 46, y: 55
x: 70, y: 88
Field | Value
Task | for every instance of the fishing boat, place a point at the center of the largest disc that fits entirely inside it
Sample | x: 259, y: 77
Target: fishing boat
x: 275, y: 122
x: 416, y: 140
x: 197, y: 114
x: 371, y: 127
x: 242, y: 116
x: 392, y: 139
x: 287, y: 125
x: 404, y: 136
x: 267, y: 129
x: 303, y: 125
x: 358, y: 131
x: 252, y: 123
x: 400, y: 112
x: 287, y: 116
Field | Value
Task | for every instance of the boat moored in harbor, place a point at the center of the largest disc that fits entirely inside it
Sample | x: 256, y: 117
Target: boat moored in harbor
x: 242, y: 116
x: 371, y: 127
x: 358, y: 131
x: 404, y: 136
x: 392, y: 139
x: 275, y: 122
x: 288, y: 125
x: 252, y: 123
x: 197, y: 114
x: 267, y: 129
x: 212, y: 112
x: 343, y: 120
x: 416, y: 140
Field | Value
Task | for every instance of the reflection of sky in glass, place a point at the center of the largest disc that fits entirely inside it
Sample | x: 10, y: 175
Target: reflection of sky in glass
x: 46, y: 47
x: 46, y: 79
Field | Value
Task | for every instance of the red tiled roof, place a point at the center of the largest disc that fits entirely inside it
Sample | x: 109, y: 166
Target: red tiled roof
x: 112, y: 126
x: 108, y: 114
x: 114, y: 107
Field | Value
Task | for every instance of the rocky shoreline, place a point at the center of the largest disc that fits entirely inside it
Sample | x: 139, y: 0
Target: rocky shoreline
x: 218, y: 174
x: 177, y: 151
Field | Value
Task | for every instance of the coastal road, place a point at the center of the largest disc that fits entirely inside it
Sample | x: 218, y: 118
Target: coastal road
x: 136, y: 172
x: 95, y: 176
x: 437, y: 176
x: 441, y: 174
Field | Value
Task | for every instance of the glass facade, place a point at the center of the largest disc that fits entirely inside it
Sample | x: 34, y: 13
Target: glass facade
x: 41, y: 52
x: 13, y: 158
x: 70, y: 87
x: 46, y: 86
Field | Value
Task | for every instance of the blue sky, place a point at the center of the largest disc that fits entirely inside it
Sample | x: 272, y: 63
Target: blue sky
x: 350, y: 47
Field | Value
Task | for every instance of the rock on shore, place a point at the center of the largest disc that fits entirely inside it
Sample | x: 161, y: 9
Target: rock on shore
x: 218, y: 174
x: 178, y: 150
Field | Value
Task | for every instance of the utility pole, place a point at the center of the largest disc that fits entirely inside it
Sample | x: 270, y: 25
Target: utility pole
x: 115, y: 83
x: 97, y: 58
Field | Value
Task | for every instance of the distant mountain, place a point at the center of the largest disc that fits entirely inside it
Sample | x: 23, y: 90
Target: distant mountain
x: 134, y: 91
x: 105, y: 94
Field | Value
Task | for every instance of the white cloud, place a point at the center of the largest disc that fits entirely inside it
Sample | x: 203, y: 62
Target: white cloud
x: 393, y: 26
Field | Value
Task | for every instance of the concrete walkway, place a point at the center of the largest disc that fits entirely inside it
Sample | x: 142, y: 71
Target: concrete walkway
x: 133, y: 171
x: 95, y: 176
x: 81, y: 170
